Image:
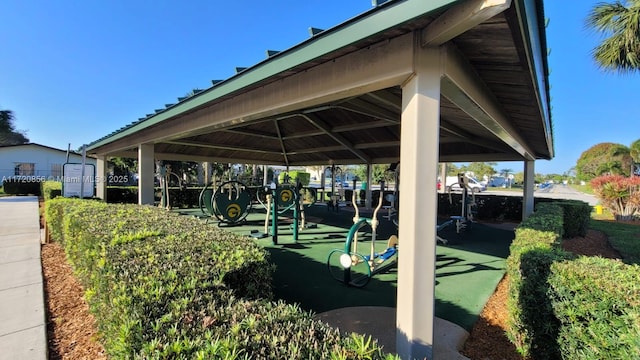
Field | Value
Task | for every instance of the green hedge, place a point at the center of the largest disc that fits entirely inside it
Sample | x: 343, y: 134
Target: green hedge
x: 165, y: 286
x: 576, y: 218
x: 597, y: 302
x: 531, y: 325
x: 294, y: 175
x: 22, y: 186
x: 561, y: 307
x: 50, y: 189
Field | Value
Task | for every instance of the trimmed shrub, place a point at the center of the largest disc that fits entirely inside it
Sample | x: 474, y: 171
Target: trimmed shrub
x: 164, y: 286
x: 597, y: 302
x: 122, y: 194
x: 50, y: 189
x: 20, y: 186
x: 294, y: 175
x: 532, y: 327
x: 576, y: 219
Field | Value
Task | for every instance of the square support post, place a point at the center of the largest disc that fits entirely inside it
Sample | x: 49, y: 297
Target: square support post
x: 419, y: 152
x: 529, y: 184
x: 101, y: 177
x: 146, y: 173
x: 368, y: 197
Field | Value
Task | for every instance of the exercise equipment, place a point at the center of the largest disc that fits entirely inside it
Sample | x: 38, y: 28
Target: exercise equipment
x: 230, y: 203
x: 165, y: 174
x: 336, y: 196
x: 468, y: 209
x: 354, y: 269
x: 281, y: 199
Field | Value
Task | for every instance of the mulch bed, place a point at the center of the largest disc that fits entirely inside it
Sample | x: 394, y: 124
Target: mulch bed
x: 70, y: 327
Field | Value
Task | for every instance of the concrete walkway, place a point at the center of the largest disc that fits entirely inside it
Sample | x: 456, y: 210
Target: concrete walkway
x: 22, y: 316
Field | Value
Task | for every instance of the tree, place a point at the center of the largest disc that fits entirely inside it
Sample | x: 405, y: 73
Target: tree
x: 619, y: 22
x: 480, y: 169
x: 619, y: 194
x: 505, y: 173
x: 8, y: 133
x: 635, y: 155
x: 604, y: 159
x: 379, y: 173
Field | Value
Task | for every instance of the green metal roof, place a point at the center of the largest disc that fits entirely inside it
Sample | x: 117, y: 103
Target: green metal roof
x: 378, y: 19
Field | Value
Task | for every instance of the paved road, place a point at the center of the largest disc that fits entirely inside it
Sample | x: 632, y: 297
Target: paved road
x: 553, y: 191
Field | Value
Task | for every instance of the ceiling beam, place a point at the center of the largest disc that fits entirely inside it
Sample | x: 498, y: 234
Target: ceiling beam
x: 460, y: 18
x: 361, y: 126
x: 320, y: 124
x: 284, y: 149
x: 464, y: 87
x: 204, y: 145
x: 247, y: 132
x: 387, y: 98
x: 366, y: 108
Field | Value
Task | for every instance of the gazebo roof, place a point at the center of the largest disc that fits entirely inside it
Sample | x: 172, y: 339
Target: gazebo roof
x: 337, y: 97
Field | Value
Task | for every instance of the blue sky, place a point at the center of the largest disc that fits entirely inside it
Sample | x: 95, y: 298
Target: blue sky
x: 74, y: 71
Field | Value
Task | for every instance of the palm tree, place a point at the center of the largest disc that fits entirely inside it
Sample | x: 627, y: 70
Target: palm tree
x: 620, y: 21
x: 505, y: 173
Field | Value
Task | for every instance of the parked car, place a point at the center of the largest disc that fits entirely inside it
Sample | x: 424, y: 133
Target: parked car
x: 473, y: 183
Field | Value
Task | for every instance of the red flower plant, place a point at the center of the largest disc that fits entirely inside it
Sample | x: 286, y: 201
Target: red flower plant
x: 619, y: 194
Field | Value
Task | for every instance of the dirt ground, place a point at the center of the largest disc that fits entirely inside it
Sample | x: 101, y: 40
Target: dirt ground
x: 72, y: 333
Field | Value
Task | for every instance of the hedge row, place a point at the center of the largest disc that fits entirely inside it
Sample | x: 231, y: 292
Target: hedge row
x: 21, y: 187
x: 531, y: 326
x: 561, y: 307
x: 597, y: 303
x: 165, y: 286
x: 51, y: 189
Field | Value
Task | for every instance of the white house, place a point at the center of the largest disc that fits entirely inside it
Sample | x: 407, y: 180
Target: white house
x: 37, y: 161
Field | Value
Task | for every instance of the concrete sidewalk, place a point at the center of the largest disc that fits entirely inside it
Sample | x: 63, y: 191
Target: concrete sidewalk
x: 22, y: 317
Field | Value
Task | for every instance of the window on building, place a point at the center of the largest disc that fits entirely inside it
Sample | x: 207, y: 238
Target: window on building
x: 56, y: 170
x: 25, y: 169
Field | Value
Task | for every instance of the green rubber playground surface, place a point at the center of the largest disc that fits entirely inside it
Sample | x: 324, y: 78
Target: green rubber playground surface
x: 467, y: 269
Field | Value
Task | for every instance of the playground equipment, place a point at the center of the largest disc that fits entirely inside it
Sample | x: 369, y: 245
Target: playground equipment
x: 281, y: 199
x: 230, y: 203
x: 354, y: 269
x: 165, y: 174
x: 468, y: 209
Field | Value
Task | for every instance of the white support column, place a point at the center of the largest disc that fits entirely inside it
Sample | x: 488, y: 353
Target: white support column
x: 418, y: 206
x: 101, y: 177
x: 368, y: 196
x: 146, y: 171
x: 443, y: 178
x: 529, y: 183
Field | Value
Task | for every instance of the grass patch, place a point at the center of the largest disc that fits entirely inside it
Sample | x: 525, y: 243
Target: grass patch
x: 623, y: 237
x: 583, y: 188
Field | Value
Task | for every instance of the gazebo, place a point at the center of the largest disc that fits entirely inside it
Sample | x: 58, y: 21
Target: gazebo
x: 420, y: 82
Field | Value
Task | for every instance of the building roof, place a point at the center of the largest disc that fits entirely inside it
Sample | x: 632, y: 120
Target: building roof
x: 38, y: 145
x: 337, y: 97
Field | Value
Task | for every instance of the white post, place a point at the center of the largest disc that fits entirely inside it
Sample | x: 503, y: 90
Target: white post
x: 443, y: 177
x: 146, y: 174
x: 529, y: 184
x: 368, y: 201
x: 101, y: 177
x: 418, y: 206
